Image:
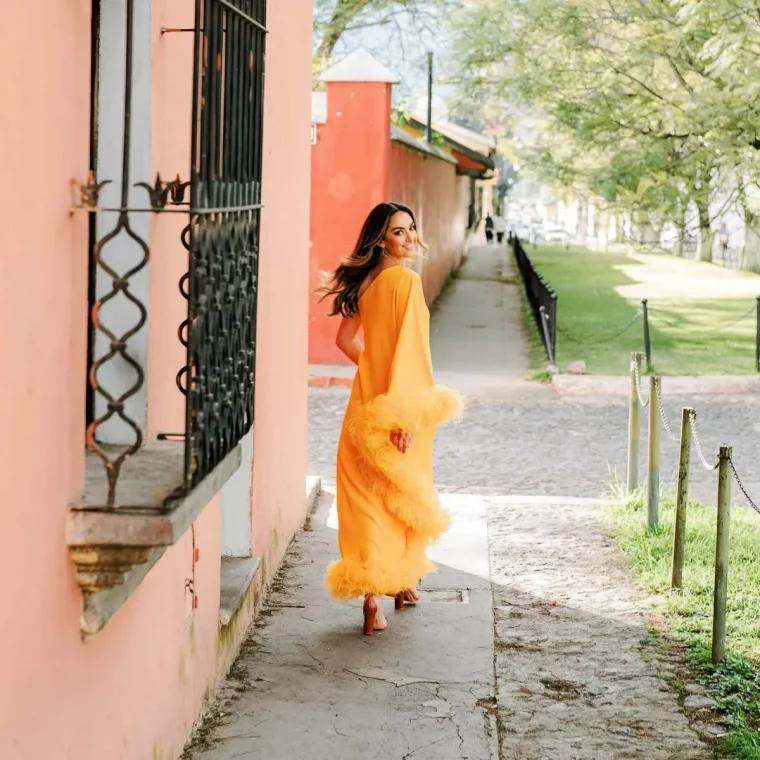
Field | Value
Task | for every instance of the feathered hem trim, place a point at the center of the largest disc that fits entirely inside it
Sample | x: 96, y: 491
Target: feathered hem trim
x: 405, y: 491
x: 350, y: 578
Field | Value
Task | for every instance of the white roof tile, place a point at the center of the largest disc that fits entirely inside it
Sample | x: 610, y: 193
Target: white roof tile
x: 359, y: 66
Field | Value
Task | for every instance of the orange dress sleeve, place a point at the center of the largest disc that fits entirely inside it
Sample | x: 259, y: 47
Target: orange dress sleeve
x: 413, y: 403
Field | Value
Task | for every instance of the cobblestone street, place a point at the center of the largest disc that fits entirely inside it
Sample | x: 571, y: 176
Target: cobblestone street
x: 558, y: 447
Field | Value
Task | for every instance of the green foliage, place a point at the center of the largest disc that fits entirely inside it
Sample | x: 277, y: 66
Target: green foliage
x: 644, y: 103
x: 734, y: 683
x: 690, y: 336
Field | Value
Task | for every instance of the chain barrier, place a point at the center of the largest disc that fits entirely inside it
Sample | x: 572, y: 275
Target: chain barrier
x: 741, y: 486
x: 665, y: 422
x: 746, y: 314
x: 662, y: 320
x: 708, y: 466
x: 730, y: 322
x: 597, y: 341
x: 644, y: 402
x: 705, y: 463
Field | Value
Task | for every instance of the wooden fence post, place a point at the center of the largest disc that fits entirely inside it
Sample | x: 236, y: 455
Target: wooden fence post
x: 634, y: 411
x: 682, y: 499
x: 722, y: 535
x: 653, y: 480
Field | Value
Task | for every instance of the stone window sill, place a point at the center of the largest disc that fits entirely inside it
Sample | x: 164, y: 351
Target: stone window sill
x: 113, y: 549
x: 238, y: 574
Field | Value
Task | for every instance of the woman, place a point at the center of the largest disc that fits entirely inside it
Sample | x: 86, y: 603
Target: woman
x: 388, y: 510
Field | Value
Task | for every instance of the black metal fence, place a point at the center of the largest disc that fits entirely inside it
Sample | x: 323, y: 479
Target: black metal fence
x: 541, y: 297
x: 223, y: 234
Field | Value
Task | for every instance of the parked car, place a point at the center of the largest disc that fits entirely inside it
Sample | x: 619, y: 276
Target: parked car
x: 522, y: 231
x: 553, y: 234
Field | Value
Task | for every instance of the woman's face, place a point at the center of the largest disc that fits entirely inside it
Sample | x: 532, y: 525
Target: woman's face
x: 401, y: 237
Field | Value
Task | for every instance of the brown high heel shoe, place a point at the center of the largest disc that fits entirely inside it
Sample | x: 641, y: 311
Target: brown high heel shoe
x: 401, y: 598
x: 370, y: 614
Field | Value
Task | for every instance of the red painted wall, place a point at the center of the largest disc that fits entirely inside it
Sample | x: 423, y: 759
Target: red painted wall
x: 430, y: 187
x: 349, y: 176
x: 355, y: 165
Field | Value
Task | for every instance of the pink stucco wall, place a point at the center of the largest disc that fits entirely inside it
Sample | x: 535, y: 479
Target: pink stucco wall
x: 280, y: 430
x: 133, y: 691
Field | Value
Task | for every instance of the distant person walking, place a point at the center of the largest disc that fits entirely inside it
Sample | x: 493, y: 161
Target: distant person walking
x: 489, y: 229
x: 723, y: 239
x: 500, y: 228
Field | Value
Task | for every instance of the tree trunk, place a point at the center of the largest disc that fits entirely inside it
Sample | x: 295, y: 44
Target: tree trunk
x: 681, y: 239
x: 681, y: 230
x: 647, y: 233
x: 619, y: 229
x: 705, y: 251
x: 345, y: 12
x: 751, y: 248
x: 749, y: 256
x: 582, y: 221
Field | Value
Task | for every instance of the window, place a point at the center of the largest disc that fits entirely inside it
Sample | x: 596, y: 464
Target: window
x: 141, y: 495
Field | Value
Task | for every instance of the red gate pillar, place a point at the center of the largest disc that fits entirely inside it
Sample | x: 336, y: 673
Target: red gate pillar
x: 349, y: 175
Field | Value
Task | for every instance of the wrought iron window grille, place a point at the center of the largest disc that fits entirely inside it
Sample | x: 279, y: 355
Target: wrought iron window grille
x: 221, y: 239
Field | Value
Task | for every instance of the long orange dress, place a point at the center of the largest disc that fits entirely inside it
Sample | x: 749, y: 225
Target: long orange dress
x: 388, y: 509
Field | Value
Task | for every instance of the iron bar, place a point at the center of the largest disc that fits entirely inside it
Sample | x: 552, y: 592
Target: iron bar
x: 539, y: 294
x: 223, y: 235
x: 430, y: 98
x: 757, y: 336
x: 118, y: 344
x: 221, y: 240
x: 647, y: 339
x: 185, y: 210
x: 547, y: 338
x: 127, y: 106
x: 252, y: 21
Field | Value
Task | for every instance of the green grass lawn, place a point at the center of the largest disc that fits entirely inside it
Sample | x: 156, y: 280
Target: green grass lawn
x: 689, y: 336
x: 735, y: 684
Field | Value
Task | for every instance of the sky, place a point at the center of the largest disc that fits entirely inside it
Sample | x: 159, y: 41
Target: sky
x: 402, y: 45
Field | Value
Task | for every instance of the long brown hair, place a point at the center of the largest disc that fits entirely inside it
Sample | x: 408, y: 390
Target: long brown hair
x: 353, y: 270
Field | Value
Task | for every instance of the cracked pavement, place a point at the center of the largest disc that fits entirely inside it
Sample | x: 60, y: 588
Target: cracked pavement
x: 308, y: 684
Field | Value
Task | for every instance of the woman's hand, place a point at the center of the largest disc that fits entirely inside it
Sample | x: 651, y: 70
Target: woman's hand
x: 401, y: 440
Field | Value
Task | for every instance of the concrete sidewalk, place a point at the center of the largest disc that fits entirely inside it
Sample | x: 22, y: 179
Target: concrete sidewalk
x: 476, y: 322
x: 309, y: 685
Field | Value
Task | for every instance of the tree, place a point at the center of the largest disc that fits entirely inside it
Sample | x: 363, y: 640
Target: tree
x: 408, y: 19
x: 648, y: 104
